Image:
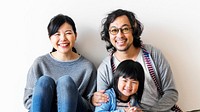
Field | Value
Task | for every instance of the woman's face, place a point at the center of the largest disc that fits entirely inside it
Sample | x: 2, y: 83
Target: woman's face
x: 64, y: 39
x: 127, y: 87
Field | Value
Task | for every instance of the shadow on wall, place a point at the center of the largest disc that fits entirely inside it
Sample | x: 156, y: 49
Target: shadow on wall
x: 90, y: 45
x: 194, y: 110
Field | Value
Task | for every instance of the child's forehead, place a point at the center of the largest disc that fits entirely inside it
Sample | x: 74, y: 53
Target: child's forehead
x: 128, y: 78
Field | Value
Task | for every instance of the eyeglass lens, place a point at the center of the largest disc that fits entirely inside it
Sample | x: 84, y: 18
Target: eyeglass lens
x: 114, y: 30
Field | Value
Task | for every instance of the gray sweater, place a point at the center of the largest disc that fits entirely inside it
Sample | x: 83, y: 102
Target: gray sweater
x: 164, y: 76
x: 81, y: 70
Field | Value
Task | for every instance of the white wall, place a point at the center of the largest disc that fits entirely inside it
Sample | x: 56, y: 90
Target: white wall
x: 171, y: 25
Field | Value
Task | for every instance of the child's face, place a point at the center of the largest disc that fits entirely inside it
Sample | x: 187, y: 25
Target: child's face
x: 127, y: 87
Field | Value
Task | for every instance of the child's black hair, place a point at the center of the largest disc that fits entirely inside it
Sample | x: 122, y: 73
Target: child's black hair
x: 129, y: 69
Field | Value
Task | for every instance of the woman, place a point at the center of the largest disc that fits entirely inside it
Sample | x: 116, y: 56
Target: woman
x: 61, y: 80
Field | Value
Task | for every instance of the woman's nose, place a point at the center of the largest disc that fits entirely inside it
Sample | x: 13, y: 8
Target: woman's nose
x: 62, y: 37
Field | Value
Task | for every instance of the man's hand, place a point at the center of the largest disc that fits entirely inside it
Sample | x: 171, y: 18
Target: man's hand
x: 99, y: 97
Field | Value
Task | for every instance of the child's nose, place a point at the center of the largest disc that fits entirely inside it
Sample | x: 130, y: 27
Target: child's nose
x: 129, y: 84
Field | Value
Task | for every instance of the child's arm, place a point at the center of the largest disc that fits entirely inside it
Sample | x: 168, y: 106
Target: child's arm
x: 109, y: 106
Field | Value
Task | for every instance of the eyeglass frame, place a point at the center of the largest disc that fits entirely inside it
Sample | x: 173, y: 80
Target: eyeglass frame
x: 120, y: 29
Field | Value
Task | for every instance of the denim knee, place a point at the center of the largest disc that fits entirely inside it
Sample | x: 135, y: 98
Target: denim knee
x: 46, y: 82
x: 66, y: 81
x: 67, y: 94
x: 43, y: 94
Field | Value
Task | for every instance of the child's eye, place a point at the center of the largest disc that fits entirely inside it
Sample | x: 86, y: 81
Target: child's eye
x: 124, y: 80
x: 134, y: 82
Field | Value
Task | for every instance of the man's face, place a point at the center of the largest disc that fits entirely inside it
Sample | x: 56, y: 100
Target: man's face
x: 120, y: 33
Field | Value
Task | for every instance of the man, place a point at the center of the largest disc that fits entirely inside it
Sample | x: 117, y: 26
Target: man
x: 122, y: 31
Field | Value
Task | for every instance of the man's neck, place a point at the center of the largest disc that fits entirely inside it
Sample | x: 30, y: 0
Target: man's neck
x: 130, y: 53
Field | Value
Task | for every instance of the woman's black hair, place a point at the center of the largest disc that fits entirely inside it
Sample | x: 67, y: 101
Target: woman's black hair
x: 55, y: 24
x: 129, y: 69
x: 136, y: 25
x: 73, y: 49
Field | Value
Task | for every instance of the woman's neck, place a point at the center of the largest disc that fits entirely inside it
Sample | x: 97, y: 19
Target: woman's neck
x: 65, y: 56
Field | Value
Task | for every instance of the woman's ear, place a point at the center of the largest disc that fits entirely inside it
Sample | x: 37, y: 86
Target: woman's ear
x: 75, y: 36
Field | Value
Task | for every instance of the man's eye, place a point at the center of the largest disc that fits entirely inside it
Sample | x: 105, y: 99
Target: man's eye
x: 125, y: 29
x: 114, y: 30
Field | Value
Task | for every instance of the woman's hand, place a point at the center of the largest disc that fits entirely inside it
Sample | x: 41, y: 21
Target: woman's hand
x: 99, y: 97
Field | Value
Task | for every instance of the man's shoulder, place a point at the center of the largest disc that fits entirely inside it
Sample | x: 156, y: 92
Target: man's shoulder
x: 152, y: 49
x: 105, y: 61
x: 149, y: 47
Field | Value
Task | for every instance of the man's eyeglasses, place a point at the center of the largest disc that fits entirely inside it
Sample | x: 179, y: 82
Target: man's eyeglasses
x: 114, y: 30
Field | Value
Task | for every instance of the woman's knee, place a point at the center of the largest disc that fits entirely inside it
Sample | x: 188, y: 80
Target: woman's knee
x: 45, y: 87
x: 66, y: 81
x: 45, y: 82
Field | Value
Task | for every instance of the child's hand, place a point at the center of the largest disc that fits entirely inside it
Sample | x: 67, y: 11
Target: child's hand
x: 133, y: 109
x: 130, y: 109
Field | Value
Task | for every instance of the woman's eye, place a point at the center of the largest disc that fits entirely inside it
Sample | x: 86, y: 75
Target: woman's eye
x: 57, y: 34
x: 68, y: 33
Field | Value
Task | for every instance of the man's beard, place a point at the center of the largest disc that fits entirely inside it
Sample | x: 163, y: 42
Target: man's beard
x: 125, y: 49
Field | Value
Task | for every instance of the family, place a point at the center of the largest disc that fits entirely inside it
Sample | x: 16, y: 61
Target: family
x: 135, y: 77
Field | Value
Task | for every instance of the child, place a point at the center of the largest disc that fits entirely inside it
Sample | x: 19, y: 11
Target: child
x: 126, y: 89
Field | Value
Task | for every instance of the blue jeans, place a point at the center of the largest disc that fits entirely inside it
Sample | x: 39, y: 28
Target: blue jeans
x: 61, y: 97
